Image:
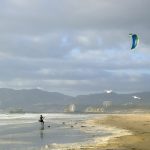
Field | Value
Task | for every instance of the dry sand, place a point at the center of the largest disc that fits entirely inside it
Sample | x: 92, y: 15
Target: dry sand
x: 133, y: 134
x: 138, y: 124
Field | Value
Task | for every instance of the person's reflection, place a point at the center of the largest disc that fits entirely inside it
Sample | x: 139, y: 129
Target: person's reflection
x: 41, y: 132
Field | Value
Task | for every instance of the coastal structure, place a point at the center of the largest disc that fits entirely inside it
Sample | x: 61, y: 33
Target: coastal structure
x: 70, y: 108
x: 107, y: 103
x: 94, y: 109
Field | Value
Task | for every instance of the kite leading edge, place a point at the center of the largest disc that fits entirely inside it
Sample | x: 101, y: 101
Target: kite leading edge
x: 135, y: 40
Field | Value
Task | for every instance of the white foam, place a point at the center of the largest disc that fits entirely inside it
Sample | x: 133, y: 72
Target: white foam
x: 6, y: 119
x: 115, y: 132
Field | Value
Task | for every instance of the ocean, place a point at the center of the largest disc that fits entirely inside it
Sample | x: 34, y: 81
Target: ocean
x: 24, y: 132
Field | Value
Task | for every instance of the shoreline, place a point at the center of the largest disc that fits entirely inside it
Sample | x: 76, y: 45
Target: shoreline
x: 129, y: 132
x: 138, y: 124
x: 99, y: 132
x: 102, y: 142
x: 93, y: 143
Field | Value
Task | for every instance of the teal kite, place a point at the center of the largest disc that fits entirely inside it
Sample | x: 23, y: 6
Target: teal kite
x: 135, y: 40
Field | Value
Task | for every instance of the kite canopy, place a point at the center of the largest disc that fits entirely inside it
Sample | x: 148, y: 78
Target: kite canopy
x: 135, y: 40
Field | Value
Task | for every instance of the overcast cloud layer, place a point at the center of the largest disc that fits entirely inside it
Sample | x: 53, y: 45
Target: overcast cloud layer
x: 74, y: 46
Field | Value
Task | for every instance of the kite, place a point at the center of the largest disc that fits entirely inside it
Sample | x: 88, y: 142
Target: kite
x: 135, y: 40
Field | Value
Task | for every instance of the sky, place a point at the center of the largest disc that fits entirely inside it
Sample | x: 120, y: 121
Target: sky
x: 74, y: 46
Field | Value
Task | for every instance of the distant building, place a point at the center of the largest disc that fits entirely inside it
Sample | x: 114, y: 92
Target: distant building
x: 70, y: 108
x: 107, y: 103
x: 94, y: 110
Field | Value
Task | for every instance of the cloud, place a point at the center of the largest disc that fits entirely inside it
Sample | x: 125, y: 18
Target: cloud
x: 74, y: 46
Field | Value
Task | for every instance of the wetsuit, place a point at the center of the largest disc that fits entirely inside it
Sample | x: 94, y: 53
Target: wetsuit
x: 41, y: 119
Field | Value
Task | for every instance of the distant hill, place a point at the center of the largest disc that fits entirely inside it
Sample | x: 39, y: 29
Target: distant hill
x: 35, y: 100
x: 117, y: 99
x: 32, y: 100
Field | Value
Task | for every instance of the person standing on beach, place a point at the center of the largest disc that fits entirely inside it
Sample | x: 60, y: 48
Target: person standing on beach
x: 41, y: 119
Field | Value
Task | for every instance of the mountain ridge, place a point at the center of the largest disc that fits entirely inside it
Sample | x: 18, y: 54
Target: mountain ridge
x: 39, y: 100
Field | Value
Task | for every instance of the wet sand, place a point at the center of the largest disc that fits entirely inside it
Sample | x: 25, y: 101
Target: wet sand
x: 131, y: 132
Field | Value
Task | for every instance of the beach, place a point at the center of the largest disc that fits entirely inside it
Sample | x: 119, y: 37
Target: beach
x: 138, y: 124
x: 131, y: 132
x: 24, y: 132
x: 75, y: 132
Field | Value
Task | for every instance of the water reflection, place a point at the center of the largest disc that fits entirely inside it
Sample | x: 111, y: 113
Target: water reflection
x: 42, y: 132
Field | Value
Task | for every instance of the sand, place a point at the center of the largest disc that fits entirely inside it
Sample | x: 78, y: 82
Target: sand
x: 138, y: 124
x: 130, y: 132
